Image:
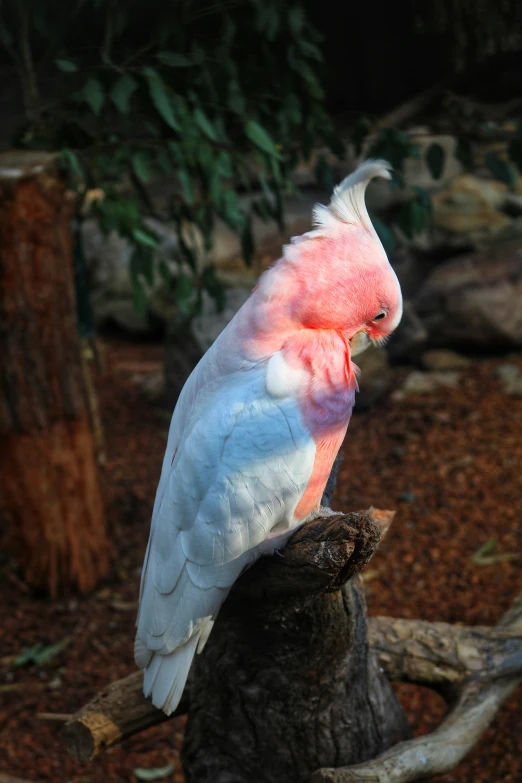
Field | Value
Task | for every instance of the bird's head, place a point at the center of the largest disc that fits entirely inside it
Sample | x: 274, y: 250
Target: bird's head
x: 338, y: 276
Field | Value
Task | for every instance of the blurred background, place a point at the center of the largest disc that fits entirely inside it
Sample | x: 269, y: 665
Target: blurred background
x: 154, y: 158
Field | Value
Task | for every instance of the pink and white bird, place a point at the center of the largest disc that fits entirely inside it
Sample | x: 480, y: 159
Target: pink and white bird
x: 257, y: 427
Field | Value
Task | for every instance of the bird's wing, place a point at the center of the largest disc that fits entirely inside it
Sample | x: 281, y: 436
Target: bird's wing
x: 242, y: 466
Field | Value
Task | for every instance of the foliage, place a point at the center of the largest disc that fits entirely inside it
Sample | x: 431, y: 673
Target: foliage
x: 396, y: 146
x: 223, y: 97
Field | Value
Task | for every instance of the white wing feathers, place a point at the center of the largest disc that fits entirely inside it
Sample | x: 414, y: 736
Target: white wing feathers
x: 242, y: 465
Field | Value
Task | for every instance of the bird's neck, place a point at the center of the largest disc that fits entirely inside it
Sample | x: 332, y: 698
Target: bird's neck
x: 328, y: 396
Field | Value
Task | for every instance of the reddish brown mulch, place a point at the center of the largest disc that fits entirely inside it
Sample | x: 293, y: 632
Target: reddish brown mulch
x: 450, y: 463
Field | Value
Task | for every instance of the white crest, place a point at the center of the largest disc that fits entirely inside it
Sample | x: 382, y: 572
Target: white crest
x: 348, y: 204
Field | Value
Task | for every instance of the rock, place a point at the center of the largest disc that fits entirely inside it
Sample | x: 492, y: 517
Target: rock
x: 107, y: 260
x: 186, y: 342
x: 416, y: 170
x: 209, y: 324
x: 511, y: 378
x: 408, y: 340
x: 426, y: 383
x: 443, y: 361
x: 474, y: 301
x: 471, y: 206
x: 374, y: 378
x: 467, y: 213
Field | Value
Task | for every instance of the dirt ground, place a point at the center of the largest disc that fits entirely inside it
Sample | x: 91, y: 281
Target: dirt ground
x: 450, y: 462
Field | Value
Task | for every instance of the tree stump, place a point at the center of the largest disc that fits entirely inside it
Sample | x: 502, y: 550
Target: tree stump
x: 49, y: 490
x: 287, y: 684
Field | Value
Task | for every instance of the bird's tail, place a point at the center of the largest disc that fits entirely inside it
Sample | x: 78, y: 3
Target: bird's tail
x: 165, y: 676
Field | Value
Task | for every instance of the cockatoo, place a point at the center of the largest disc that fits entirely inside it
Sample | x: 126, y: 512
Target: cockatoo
x: 257, y: 427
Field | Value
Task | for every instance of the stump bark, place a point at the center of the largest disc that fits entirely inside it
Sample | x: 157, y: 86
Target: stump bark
x: 287, y: 683
x: 49, y: 491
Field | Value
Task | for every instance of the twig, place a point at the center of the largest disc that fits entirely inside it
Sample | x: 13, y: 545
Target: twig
x: 6, y: 778
x: 408, y: 110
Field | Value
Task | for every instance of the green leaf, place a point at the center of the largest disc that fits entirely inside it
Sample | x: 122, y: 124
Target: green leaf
x: 214, y: 286
x: 385, y: 234
x: 139, y: 299
x: 412, y: 217
x: 165, y: 273
x: 66, y: 66
x: 154, y: 773
x: 296, y: 20
x: 48, y: 653
x: 27, y: 656
x: 174, y: 60
x: 393, y: 145
x: 500, y: 169
x: 140, y: 162
x: 70, y: 162
x: 186, y: 185
x: 160, y: 98
x: 310, y: 50
x: 144, y: 238
x: 93, y: 95
x: 359, y: 133
x: 464, y: 153
x: 247, y: 241
x: 204, y: 124
x: 435, y: 157
x: 515, y: 152
x: 183, y: 290
x: 260, y: 138
x: 236, y: 101
x: 122, y: 91
x: 325, y: 175
x: 40, y: 654
x: 230, y: 210
x: 485, y: 555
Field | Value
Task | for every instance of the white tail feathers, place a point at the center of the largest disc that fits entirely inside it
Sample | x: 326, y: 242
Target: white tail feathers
x: 165, y: 675
x: 348, y: 204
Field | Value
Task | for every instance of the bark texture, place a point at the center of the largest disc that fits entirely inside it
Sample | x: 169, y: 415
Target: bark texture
x: 49, y: 491
x: 474, y: 705
x: 116, y: 712
x: 287, y: 683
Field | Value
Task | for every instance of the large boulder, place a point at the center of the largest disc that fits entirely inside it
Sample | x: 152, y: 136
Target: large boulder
x: 374, y: 378
x: 475, y: 300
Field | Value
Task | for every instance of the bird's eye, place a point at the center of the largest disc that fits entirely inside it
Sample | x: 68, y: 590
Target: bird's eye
x: 380, y: 316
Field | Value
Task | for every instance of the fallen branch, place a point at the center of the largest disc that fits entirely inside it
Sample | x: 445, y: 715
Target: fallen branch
x: 115, y: 713
x: 441, y: 751
x: 431, y: 653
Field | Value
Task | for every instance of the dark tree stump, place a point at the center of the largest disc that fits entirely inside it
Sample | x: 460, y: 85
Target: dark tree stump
x: 287, y: 684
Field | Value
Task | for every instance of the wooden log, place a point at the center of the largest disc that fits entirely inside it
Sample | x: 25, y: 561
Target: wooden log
x: 117, y: 712
x: 49, y: 489
x: 434, y: 654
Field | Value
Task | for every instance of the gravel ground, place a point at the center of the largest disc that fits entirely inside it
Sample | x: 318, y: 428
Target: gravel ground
x: 450, y: 462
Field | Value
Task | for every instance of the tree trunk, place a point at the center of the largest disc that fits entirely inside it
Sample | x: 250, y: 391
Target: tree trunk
x: 287, y: 684
x: 49, y: 491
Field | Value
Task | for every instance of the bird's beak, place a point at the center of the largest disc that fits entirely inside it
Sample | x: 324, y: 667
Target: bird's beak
x: 359, y: 342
